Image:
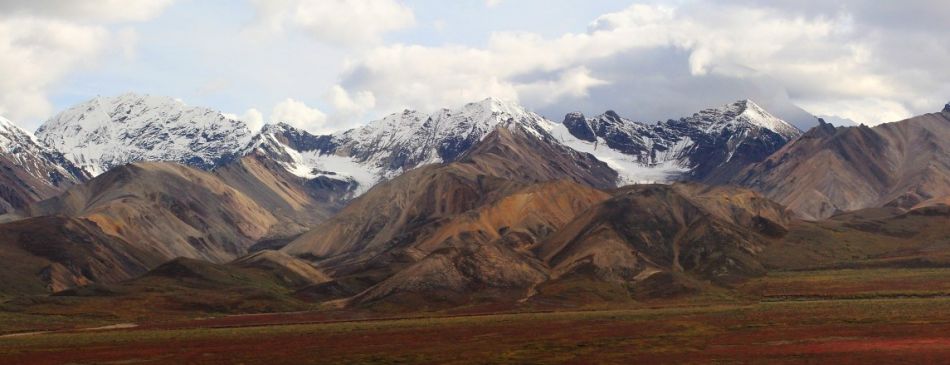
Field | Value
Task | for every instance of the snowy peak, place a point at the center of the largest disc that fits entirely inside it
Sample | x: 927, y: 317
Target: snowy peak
x: 745, y: 112
x: 109, y: 131
x: 411, y: 138
x: 706, y: 146
x: 12, y: 136
x: 495, y: 106
x: 398, y: 142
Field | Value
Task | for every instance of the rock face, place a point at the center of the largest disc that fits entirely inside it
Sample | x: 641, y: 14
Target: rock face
x: 830, y: 170
x: 30, y: 171
x: 106, y: 132
x: 710, y: 146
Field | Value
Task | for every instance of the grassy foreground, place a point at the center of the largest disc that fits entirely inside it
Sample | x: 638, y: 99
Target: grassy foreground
x: 881, y: 316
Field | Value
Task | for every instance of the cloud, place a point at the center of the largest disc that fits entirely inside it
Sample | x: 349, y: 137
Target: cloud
x: 87, y: 10
x: 862, y: 109
x: 44, y: 41
x: 37, y: 53
x: 349, y: 23
x: 829, y: 61
x: 252, y: 117
x: 349, y: 107
x: 492, y: 3
x: 299, y: 115
x: 574, y: 83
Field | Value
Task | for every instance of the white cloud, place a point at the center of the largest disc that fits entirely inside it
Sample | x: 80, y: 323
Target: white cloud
x: 822, y: 61
x: 342, y: 22
x: 37, y: 53
x: 299, y: 115
x: 252, y: 117
x: 350, y: 107
x: 492, y: 3
x: 574, y: 83
x: 87, y: 10
x: 861, y: 110
x: 43, y: 41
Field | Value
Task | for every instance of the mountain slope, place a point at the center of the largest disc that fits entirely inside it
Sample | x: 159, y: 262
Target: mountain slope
x: 483, y: 254
x: 167, y: 209
x: 497, y: 226
x: 106, y: 132
x: 712, y: 234
x: 297, y: 203
x: 49, y: 254
x: 832, y: 170
x: 507, y: 159
x: 710, y: 146
x: 377, y: 234
x: 29, y: 171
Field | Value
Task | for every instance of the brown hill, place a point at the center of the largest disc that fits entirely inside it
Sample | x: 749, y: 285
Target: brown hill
x: 394, y: 213
x: 399, y: 222
x: 44, y: 254
x: 167, y: 209
x: 177, y: 289
x: 288, y: 269
x: 712, y: 234
x: 874, y: 237
x: 297, y: 203
x: 159, y: 211
x: 484, y: 254
x: 830, y: 170
x: 644, y: 241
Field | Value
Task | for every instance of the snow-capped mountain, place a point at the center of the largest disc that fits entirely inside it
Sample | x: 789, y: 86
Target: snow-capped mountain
x: 109, y: 131
x: 708, y: 146
x: 30, y: 171
x: 712, y: 143
x: 387, y: 147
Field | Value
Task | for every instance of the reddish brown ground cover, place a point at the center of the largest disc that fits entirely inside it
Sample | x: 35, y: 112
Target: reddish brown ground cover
x: 886, y: 331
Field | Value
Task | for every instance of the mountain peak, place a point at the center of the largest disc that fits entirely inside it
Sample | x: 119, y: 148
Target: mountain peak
x: 497, y: 105
x: 745, y: 106
x: 612, y: 115
x: 946, y: 108
x: 109, y: 131
x: 277, y: 128
x: 748, y: 111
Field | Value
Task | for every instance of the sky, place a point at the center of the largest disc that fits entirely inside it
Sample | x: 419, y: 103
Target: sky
x: 328, y: 65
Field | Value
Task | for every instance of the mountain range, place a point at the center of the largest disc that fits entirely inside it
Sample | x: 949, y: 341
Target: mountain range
x: 484, y: 203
